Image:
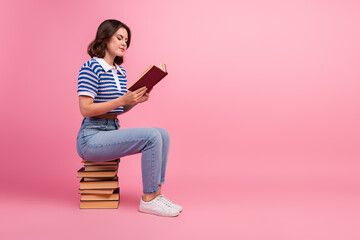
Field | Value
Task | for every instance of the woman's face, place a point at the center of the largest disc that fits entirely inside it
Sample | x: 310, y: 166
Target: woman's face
x: 117, y: 44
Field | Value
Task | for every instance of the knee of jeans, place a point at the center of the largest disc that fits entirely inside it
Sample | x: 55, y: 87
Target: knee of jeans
x: 165, y: 135
x: 154, y: 136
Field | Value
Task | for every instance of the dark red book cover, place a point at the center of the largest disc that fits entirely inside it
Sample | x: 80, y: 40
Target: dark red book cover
x: 150, y: 78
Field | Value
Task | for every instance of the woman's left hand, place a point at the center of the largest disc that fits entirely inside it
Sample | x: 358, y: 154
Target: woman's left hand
x: 144, y: 98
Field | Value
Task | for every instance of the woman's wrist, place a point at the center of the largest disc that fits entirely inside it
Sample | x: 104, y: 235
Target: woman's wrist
x: 120, y: 101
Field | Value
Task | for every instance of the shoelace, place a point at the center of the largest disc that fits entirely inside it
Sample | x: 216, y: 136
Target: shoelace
x: 163, y: 202
x: 170, y: 203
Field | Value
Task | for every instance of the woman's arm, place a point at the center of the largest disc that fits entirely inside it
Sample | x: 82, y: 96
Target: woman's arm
x: 89, y: 109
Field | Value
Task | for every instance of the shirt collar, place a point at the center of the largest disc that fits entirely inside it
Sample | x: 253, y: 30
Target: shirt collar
x: 107, y: 67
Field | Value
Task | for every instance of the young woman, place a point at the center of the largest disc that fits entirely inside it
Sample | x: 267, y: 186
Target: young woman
x: 102, y: 97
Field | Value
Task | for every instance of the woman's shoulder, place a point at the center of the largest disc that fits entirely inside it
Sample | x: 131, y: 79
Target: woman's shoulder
x: 92, y: 63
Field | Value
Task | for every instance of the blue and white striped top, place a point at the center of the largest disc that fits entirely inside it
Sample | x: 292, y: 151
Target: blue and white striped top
x: 102, y: 82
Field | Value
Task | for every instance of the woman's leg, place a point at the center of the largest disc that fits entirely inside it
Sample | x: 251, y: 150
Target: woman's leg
x: 165, y: 152
x: 99, y: 141
x: 107, y: 145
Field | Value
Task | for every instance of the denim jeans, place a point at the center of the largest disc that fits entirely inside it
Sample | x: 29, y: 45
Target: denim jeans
x: 101, y: 139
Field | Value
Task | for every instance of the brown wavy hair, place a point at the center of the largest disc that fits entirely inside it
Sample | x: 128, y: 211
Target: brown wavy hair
x: 105, y: 31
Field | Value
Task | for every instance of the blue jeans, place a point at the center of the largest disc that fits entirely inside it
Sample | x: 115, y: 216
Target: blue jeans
x: 101, y: 139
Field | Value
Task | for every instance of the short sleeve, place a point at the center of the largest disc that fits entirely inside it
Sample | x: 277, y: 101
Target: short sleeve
x: 87, y: 82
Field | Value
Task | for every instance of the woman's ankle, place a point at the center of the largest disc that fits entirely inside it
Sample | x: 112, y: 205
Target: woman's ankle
x: 150, y: 196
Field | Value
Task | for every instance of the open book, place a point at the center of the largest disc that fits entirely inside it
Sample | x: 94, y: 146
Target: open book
x: 150, y: 77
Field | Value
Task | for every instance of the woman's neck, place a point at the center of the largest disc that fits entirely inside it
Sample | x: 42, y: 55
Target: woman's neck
x: 109, y: 59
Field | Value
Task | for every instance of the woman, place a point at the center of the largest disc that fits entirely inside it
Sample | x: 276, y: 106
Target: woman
x: 102, y: 97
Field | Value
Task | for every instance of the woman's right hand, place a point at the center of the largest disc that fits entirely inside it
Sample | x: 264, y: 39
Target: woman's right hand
x: 130, y: 98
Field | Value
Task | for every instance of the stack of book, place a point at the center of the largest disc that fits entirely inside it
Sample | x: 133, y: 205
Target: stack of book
x: 99, y: 186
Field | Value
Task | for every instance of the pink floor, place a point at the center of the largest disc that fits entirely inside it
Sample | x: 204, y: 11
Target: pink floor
x: 264, y: 204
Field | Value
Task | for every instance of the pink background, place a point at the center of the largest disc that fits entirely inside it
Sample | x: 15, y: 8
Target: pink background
x: 261, y: 101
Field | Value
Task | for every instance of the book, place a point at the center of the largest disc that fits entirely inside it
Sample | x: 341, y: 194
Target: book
x: 100, y: 167
x: 108, y: 173
x: 101, y: 197
x: 98, y: 184
x: 97, y: 191
x: 150, y: 77
x: 90, y: 179
x: 99, y: 204
x: 112, y: 162
x: 100, y: 164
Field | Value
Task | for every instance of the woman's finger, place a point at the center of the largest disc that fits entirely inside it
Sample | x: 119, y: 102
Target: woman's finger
x: 142, y: 93
x: 140, y: 89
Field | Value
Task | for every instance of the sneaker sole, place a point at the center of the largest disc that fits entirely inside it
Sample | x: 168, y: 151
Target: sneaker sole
x: 158, y: 214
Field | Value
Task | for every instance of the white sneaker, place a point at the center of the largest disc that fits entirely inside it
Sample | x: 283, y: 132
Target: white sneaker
x: 158, y: 206
x: 172, y: 204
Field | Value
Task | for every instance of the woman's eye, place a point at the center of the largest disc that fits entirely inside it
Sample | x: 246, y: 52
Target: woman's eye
x: 119, y: 39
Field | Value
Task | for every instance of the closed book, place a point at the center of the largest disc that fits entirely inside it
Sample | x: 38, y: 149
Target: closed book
x: 101, y: 197
x: 112, y: 162
x: 97, y: 191
x: 91, y: 179
x: 150, y: 77
x: 100, y: 168
x: 99, y: 204
x: 98, y: 184
x: 108, y: 173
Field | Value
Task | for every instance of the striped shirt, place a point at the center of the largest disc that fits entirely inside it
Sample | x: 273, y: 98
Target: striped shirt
x: 102, y: 82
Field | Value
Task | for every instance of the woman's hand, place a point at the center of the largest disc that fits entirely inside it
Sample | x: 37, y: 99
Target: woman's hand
x: 144, y: 98
x: 135, y: 97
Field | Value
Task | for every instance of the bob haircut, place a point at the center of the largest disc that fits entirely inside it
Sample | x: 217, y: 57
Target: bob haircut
x: 105, y: 31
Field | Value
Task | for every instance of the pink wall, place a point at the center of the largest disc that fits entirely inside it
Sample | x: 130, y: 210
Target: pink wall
x: 261, y: 89
x: 248, y: 79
